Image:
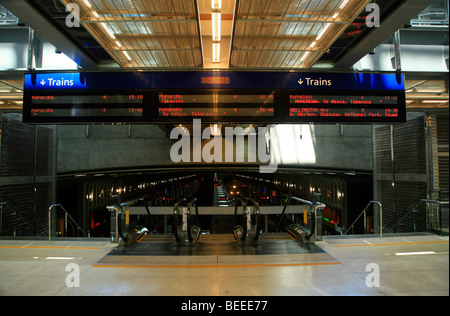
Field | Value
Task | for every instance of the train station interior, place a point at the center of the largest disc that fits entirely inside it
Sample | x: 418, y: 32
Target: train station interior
x: 224, y: 148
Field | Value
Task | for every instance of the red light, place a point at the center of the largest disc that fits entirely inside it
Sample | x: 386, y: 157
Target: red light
x: 93, y: 223
x: 215, y: 80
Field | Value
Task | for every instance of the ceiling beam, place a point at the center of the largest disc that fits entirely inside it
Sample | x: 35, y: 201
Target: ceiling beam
x: 393, y: 22
x: 34, y: 19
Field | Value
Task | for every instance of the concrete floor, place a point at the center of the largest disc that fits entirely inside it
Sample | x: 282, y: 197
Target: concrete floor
x: 36, y: 267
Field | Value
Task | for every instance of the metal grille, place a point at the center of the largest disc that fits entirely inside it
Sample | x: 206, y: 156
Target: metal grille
x: 145, y: 33
x: 400, y: 183
x: 27, y: 177
x: 443, y: 149
x: 288, y: 33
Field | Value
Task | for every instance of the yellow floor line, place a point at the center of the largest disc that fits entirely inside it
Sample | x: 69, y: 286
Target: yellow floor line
x: 49, y: 247
x: 393, y: 244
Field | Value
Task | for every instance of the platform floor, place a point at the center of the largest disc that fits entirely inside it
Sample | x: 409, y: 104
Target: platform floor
x: 408, y: 265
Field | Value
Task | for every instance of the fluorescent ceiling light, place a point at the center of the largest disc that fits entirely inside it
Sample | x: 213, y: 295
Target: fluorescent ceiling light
x: 126, y: 55
x: 431, y: 91
x: 87, y: 3
x: 344, y: 4
x: 216, y: 24
x: 216, y: 4
x: 304, y: 56
x: 108, y: 30
x: 325, y: 28
x: 216, y: 52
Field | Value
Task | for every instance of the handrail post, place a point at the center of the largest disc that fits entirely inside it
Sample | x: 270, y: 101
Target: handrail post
x: 381, y: 216
x: 365, y: 221
x: 381, y: 220
x: 117, y: 210
x: 317, y: 206
x: 50, y: 223
x: 364, y: 212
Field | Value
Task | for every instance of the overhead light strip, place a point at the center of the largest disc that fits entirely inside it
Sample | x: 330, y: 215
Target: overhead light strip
x: 216, y: 20
x: 216, y: 26
x: 108, y: 30
x: 216, y: 52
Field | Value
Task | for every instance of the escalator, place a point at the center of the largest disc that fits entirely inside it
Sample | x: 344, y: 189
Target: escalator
x: 129, y: 232
x: 302, y: 223
x: 247, y: 231
x: 186, y: 227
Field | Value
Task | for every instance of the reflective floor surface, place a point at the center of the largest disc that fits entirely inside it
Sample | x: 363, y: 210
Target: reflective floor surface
x: 399, y: 265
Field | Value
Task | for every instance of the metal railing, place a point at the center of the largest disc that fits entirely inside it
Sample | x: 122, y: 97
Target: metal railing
x: 317, y: 219
x: 16, y: 211
x: 118, y: 210
x: 67, y: 217
x: 364, y: 212
x: 413, y: 210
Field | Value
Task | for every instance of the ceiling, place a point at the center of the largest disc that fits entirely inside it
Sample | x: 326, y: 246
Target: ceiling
x: 262, y: 34
x: 426, y: 94
x: 11, y: 94
x: 177, y: 34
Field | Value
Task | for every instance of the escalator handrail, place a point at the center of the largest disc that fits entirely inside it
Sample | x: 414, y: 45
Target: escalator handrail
x: 258, y: 221
x: 179, y: 203
x: 189, y: 226
x: 197, y: 215
x: 119, y: 219
x: 146, y: 203
x: 257, y: 216
x: 288, y: 203
x: 243, y: 204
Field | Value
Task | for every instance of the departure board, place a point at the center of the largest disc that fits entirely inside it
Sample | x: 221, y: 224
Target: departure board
x: 214, y: 97
x: 62, y: 107
x: 360, y: 107
x: 216, y: 105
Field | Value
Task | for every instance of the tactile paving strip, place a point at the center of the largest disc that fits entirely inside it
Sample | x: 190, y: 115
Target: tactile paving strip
x: 313, y: 258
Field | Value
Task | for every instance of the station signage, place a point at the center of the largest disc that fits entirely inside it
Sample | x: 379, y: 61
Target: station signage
x: 222, y: 97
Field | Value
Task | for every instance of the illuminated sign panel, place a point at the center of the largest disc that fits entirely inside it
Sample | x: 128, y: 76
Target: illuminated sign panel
x: 54, y: 81
x: 344, y: 108
x: 215, y: 105
x: 65, y: 107
x: 222, y: 97
x: 343, y: 81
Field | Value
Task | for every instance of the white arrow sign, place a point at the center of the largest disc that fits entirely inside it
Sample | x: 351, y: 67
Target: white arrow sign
x: 42, y: 82
x: 300, y: 81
